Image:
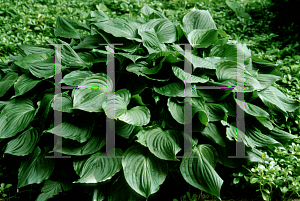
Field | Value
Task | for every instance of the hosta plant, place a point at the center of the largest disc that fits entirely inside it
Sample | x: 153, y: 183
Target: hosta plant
x: 129, y: 77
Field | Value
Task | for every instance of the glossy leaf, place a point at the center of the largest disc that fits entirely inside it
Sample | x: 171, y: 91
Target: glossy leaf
x: 143, y: 171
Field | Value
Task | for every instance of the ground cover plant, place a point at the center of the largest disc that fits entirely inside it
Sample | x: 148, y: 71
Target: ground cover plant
x: 149, y: 109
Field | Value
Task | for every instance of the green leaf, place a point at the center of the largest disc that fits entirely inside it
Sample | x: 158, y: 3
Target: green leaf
x: 211, y: 132
x: 67, y: 28
x: 176, y: 89
x: 120, y: 190
x: 143, y: 171
x: 62, y: 102
x: 202, y: 38
x: 216, y: 112
x: 227, y: 72
x: 72, y: 147
x: 31, y: 49
x: 161, y: 143
x: 98, y: 167
x: 259, y: 139
x: 76, y: 77
x: 199, y: 62
x: 72, y: 59
x: 123, y: 129
x: 199, y: 171
x: 240, y: 11
x: 197, y: 19
x: 188, y: 78
x: 52, y: 188
x: 77, y: 128
x: 253, y: 180
x: 116, y: 108
x: 90, y: 42
x: 151, y: 41
x: 119, y: 28
x: 164, y: 29
x: 32, y: 58
x: 25, y: 83
x: 35, y: 168
x: 24, y: 144
x: 7, y: 81
x: 276, y: 100
x: 43, y: 69
x: 91, y: 93
x: 15, y: 117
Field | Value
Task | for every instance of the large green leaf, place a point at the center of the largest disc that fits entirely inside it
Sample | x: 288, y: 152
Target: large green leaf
x: 15, y: 117
x: 211, y: 131
x: 143, y: 171
x: 216, y: 112
x: 90, y: 42
x: 52, y: 188
x: 259, y: 139
x: 163, y: 28
x: 176, y: 89
x: 72, y: 59
x: 62, y: 102
x: 120, y: 191
x: 30, y: 49
x: 24, y: 84
x: 92, y: 93
x: 116, y: 108
x: 151, y: 41
x: 76, y: 77
x: 98, y: 167
x: 32, y: 58
x: 227, y: 72
x: 202, y: 38
x: 276, y: 100
x: 230, y: 52
x: 119, y: 28
x: 77, y: 128
x: 7, y: 81
x: 35, y: 168
x: 123, y: 129
x: 161, y: 143
x: 198, y: 62
x: 43, y: 69
x: 67, y: 28
x: 72, y: 147
x: 24, y: 144
x: 197, y: 19
x: 199, y: 171
x: 188, y: 78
